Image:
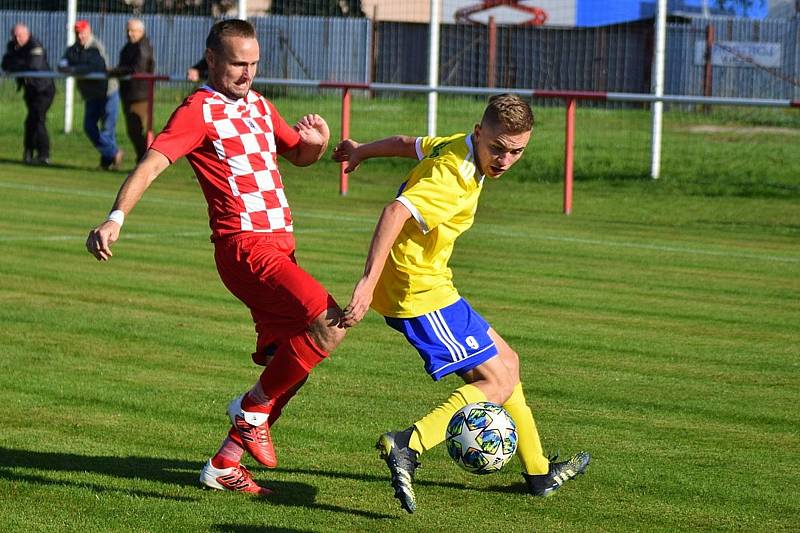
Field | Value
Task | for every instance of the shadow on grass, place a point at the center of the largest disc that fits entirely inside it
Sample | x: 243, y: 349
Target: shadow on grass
x: 6, y: 161
x: 362, y: 477
x: 513, y: 488
x: 170, y: 471
x: 240, y: 528
x: 61, y: 166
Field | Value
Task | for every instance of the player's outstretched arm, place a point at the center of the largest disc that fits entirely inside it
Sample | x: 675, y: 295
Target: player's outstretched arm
x: 392, y: 219
x: 354, y: 153
x: 103, y: 236
x: 314, y: 136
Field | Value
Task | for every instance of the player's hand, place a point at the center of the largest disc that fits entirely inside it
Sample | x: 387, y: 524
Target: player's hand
x: 313, y: 130
x: 65, y: 67
x: 347, y: 150
x: 101, y: 238
x: 359, y: 304
x: 193, y: 74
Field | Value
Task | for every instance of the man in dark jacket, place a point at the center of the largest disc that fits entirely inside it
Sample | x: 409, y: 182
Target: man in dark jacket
x: 198, y: 71
x: 135, y: 57
x: 25, y: 53
x: 88, y: 56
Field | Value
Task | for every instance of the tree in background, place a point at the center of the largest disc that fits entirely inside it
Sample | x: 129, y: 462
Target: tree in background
x: 318, y: 8
x: 739, y: 7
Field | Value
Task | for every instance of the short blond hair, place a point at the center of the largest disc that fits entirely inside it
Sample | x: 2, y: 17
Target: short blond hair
x: 509, y: 111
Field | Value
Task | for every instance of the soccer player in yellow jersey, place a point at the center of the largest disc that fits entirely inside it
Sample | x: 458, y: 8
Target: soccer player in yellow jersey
x: 407, y: 280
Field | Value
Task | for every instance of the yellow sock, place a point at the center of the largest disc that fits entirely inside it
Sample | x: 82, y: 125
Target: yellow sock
x: 529, y: 447
x: 430, y: 429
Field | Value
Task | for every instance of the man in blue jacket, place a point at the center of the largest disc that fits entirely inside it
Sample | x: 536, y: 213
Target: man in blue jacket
x: 88, y: 56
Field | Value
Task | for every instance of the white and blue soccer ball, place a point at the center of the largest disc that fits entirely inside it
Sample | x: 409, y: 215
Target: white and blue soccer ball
x: 481, y: 437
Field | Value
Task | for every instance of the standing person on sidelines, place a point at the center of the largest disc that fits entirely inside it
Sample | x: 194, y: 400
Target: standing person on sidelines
x: 101, y: 96
x: 232, y: 136
x: 407, y: 280
x: 25, y: 53
x: 135, y: 57
x: 198, y: 71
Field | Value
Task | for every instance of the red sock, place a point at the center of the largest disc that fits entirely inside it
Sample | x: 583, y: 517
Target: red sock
x: 256, y: 401
x: 290, y: 367
x: 275, y: 408
x: 228, y: 455
x: 281, y: 402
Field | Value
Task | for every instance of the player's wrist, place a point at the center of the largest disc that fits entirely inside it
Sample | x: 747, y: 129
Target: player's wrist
x: 117, y: 215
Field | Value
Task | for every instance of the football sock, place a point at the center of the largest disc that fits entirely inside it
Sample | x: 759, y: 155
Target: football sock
x: 255, y: 399
x: 229, y: 454
x: 430, y: 429
x: 282, y: 400
x: 290, y: 367
x: 529, y: 447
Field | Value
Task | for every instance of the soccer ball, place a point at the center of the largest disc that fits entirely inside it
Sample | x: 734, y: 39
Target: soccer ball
x: 481, y: 437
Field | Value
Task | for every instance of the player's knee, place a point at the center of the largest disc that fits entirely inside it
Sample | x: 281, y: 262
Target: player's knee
x: 504, y: 391
x: 497, y: 395
x: 511, y: 360
x: 325, y: 330
x: 498, y: 387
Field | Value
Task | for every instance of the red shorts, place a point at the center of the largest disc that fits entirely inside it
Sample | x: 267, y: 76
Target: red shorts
x: 260, y: 270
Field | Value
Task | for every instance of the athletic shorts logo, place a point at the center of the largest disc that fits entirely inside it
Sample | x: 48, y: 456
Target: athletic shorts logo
x: 454, y: 339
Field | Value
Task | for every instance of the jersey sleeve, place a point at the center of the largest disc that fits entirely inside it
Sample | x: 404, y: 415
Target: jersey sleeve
x: 427, y: 145
x: 185, y: 130
x: 286, y: 137
x: 431, y: 194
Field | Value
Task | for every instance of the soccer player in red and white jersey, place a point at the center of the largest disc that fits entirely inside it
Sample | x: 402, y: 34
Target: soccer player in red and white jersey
x: 231, y: 137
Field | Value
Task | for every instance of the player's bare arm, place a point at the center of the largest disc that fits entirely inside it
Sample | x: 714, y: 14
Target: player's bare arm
x: 354, y: 153
x: 392, y: 219
x: 314, y: 136
x: 103, y: 236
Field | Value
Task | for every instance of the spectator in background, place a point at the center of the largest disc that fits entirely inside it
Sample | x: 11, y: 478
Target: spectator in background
x: 198, y: 71
x: 135, y: 57
x: 88, y: 56
x: 25, y: 53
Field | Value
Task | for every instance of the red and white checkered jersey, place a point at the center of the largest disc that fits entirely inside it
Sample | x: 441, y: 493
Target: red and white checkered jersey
x: 233, y: 145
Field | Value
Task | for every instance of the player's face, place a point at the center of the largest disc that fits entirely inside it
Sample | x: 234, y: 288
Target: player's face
x: 496, y: 150
x: 231, y: 72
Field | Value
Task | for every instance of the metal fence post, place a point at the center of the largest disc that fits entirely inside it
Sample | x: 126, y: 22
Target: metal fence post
x: 69, y: 87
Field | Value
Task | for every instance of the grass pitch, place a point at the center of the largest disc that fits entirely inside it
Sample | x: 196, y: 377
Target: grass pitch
x: 657, y: 327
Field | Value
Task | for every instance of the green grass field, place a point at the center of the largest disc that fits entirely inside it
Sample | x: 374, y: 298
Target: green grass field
x: 658, y: 328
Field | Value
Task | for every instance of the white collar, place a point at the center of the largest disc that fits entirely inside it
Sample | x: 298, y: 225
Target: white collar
x: 240, y: 101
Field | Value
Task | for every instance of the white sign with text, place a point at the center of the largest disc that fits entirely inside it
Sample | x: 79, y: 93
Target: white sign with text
x: 739, y: 54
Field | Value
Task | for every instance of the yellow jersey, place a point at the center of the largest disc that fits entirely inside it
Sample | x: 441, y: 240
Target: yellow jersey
x: 441, y: 192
